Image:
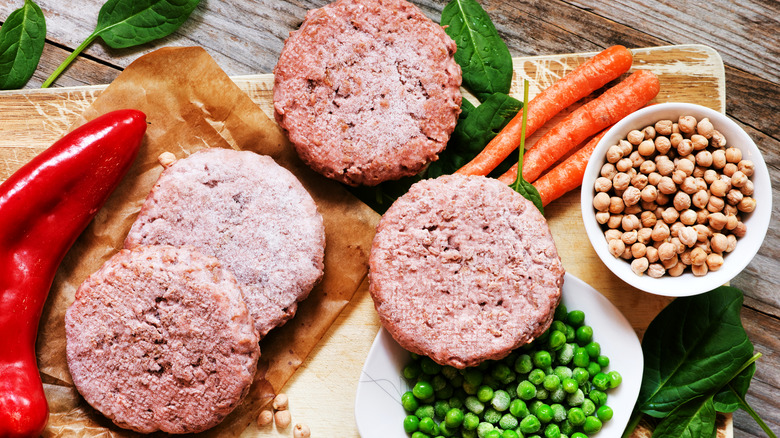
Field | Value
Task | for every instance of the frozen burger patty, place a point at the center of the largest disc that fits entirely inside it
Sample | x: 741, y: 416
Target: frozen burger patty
x: 250, y: 213
x: 464, y: 269
x: 160, y: 339
x: 367, y: 90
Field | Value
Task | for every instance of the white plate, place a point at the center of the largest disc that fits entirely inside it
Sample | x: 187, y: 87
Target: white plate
x: 378, y: 410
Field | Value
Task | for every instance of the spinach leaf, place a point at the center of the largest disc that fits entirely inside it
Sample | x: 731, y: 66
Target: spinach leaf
x: 694, y: 419
x: 482, y: 54
x: 474, y: 132
x: 692, y: 348
x: 726, y: 400
x: 128, y: 23
x: 22, y: 38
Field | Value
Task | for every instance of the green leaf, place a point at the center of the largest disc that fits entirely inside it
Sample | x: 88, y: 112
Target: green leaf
x: 694, y: 419
x: 521, y: 185
x: 726, y: 400
x: 482, y: 54
x: 529, y: 192
x: 474, y: 132
x: 692, y: 348
x: 127, y: 23
x: 22, y: 38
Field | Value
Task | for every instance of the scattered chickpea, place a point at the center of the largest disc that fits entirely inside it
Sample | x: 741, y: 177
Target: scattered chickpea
x: 698, y: 256
x: 676, y: 270
x: 704, y: 158
x: 666, y: 251
x: 602, y: 217
x: 282, y: 419
x: 732, y: 243
x: 734, y: 196
x: 660, y: 232
x: 281, y: 402
x: 688, y: 236
x: 653, y: 178
x: 719, y: 243
x: 715, y: 204
x: 731, y: 221
x: 702, y: 216
x: 685, y: 147
x: 747, y: 189
x: 629, y: 237
x: 671, y: 263
x: 688, y: 217
x: 616, y: 205
x: 602, y: 184
x: 665, y: 167
x: 613, y: 234
x: 649, y: 132
x: 703, y: 232
x: 301, y: 431
x: 644, y: 235
x: 740, y: 229
x: 670, y: 215
x: 265, y: 418
x: 601, y: 201
x: 719, y: 188
x: 717, y: 221
x: 638, y: 249
x: 667, y: 186
x: 647, y: 167
x: 662, y: 144
x: 636, y: 158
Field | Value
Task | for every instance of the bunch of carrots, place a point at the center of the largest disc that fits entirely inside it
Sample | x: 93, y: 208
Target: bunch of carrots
x: 590, y: 120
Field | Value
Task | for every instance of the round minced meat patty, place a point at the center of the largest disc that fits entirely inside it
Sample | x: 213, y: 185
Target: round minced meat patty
x: 464, y: 269
x: 367, y: 90
x: 250, y: 213
x: 160, y: 339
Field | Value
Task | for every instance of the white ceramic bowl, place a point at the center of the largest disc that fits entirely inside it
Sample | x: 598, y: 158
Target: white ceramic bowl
x: 756, y: 222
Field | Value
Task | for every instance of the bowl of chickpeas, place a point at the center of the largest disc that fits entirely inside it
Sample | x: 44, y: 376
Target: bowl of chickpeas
x: 676, y: 199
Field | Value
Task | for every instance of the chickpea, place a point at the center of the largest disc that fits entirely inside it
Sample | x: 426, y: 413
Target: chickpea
x: 733, y: 155
x: 717, y: 140
x: 653, y: 178
x: 644, y: 235
x: 601, y: 201
x: 674, y: 229
x: 705, y: 128
x: 675, y: 128
x: 631, y: 172
x: 698, y: 256
x: 703, y: 233
x: 665, y: 167
x: 652, y: 254
x: 684, y: 165
x: 685, y: 257
x: 614, y: 154
x: 608, y: 170
x: 670, y: 215
x: 629, y: 237
x: 649, y: 132
x: 734, y: 196
x: 646, y: 148
x: 660, y: 232
x: 717, y: 221
x: 689, y: 186
x: 662, y: 144
x: 635, y: 137
x: 624, y: 164
x: 702, y: 216
x: 647, y: 167
x: 630, y: 222
x: 699, y: 142
x: 719, y: 188
x: 667, y: 186
x: 729, y: 209
x: 639, y: 265
x: 301, y: 431
x: 688, y: 236
x: 649, y: 206
x: 672, y: 262
x: 710, y: 176
x: 621, y: 181
x: 747, y: 189
x: 631, y: 196
x: 688, y: 217
x: 662, y: 199
x: 740, y: 229
x: 685, y: 147
x: 616, y: 247
x: 732, y: 243
x: 731, y: 221
x: 602, y: 184
x: 265, y: 418
x: 747, y: 205
x: 738, y: 179
x: 636, y: 159
x: 698, y: 171
x: 639, y: 181
x: 675, y: 138
x: 715, y: 204
x: 615, y: 221
x: 282, y: 419
x: 281, y: 402
x: 678, y: 176
x: 666, y: 251
x: 704, y: 158
x: 663, y: 127
x: 714, y: 261
x: 699, y: 270
x: 648, y: 219
x: 718, y: 243
x: 718, y: 159
x: 649, y: 194
x: 729, y: 169
x: 747, y: 167
x: 656, y: 270
x: 701, y: 184
x: 626, y: 147
x: 633, y: 209
x: 602, y: 217
x: 638, y: 249
x: 676, y: 270
x: 687, y: 124
x: 613, y: 234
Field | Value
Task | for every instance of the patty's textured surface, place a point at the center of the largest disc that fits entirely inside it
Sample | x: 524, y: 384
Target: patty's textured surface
x: 464, y: 269
x: 250, y: 213
x: 368, y: 90
x: 160, y: 339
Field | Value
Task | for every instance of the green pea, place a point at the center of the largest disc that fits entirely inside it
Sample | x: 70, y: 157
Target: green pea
x: 492, y: 416
x: 598, y: 397
x: 428, y: 366
x: 438, y: 382
x: 581, y: 358
x: 576, y: 399
x: 566, y: 427
x: 422, y: 390
x: 542, y: 359
x: 580, y: 375
x: 536, y: 376
x: 558, y: 326
x: 566, y: 354
x: 579, y: 435
x: 584, y: 334
x: 544, y: 413
x: 557, y: 340
x: 530, y: 424
x: 445, y: 392
x: 601, y: 381
x: 569, y: 385
x: 500, y: 400
x: 576, y: 318
x: 474, y: 405
x: 425, y: 411
x: 454, y: 418
x: 576, y: 417
x: 446, y: 431
x: 551, y: 382
x: 493, y: 434
x: 603, y: 361
x: 470, y: 421
x: 526, y: 390
x: 594, y: 349
x: 563, y: 372
x: 411, y: 423
x: 560, y: 312
x: 490, y: 381
x: 473, y: 377
x: 508, y: 421
x: 412, y: 371
x: 483, y: 428
x: 604, y: 413
x: 485, y: 393
x: 559, y: 412
x: 509, y: 434
x: 558, y: 395
x: 456, y: 402
x: 588, y: 407
x: 440, y: 409
x: 500, y: 372
x: 518, y: 408
x: 427, y: 425
x: 594, y: 368
x: 552, y: 431
x: 534, y: 406
x: 571, y: 334
x: 419, y: 434
x: 409, y: 401
x: 469, y: 388
x: 615, y: 379
x: 542, y: 394
x: 469, y: 433
x: 523, y: 364
x: 592, y: 425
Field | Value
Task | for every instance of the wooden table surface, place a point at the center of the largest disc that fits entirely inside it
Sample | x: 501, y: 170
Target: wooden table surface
x: 246, y: 37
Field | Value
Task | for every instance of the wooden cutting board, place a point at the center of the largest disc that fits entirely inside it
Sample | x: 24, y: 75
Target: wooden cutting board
x: 323, y: 389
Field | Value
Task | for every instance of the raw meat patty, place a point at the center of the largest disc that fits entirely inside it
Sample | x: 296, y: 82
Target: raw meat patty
x: 368, y: 90
x: 464, y: 269
x: 160, y: 339
x: 250, y: 213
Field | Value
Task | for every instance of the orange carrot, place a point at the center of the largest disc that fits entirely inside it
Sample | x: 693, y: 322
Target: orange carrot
x: 580, y: 82
x: 568, y: 175
x: 607, y: 109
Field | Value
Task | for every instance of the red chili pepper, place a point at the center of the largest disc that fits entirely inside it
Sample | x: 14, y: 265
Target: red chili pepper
x: 43, y: 208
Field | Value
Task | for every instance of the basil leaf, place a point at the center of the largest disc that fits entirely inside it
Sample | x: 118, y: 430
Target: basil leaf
x: 22, y: 38
x: 692, y: 348
x: 694, y: 419
x: 725, y: 400
x: 474, y: 132
x: 127, y: 23
x: 482, y: 54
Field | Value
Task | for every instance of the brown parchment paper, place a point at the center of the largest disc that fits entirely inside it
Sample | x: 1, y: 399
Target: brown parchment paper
x: 191, y: 104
